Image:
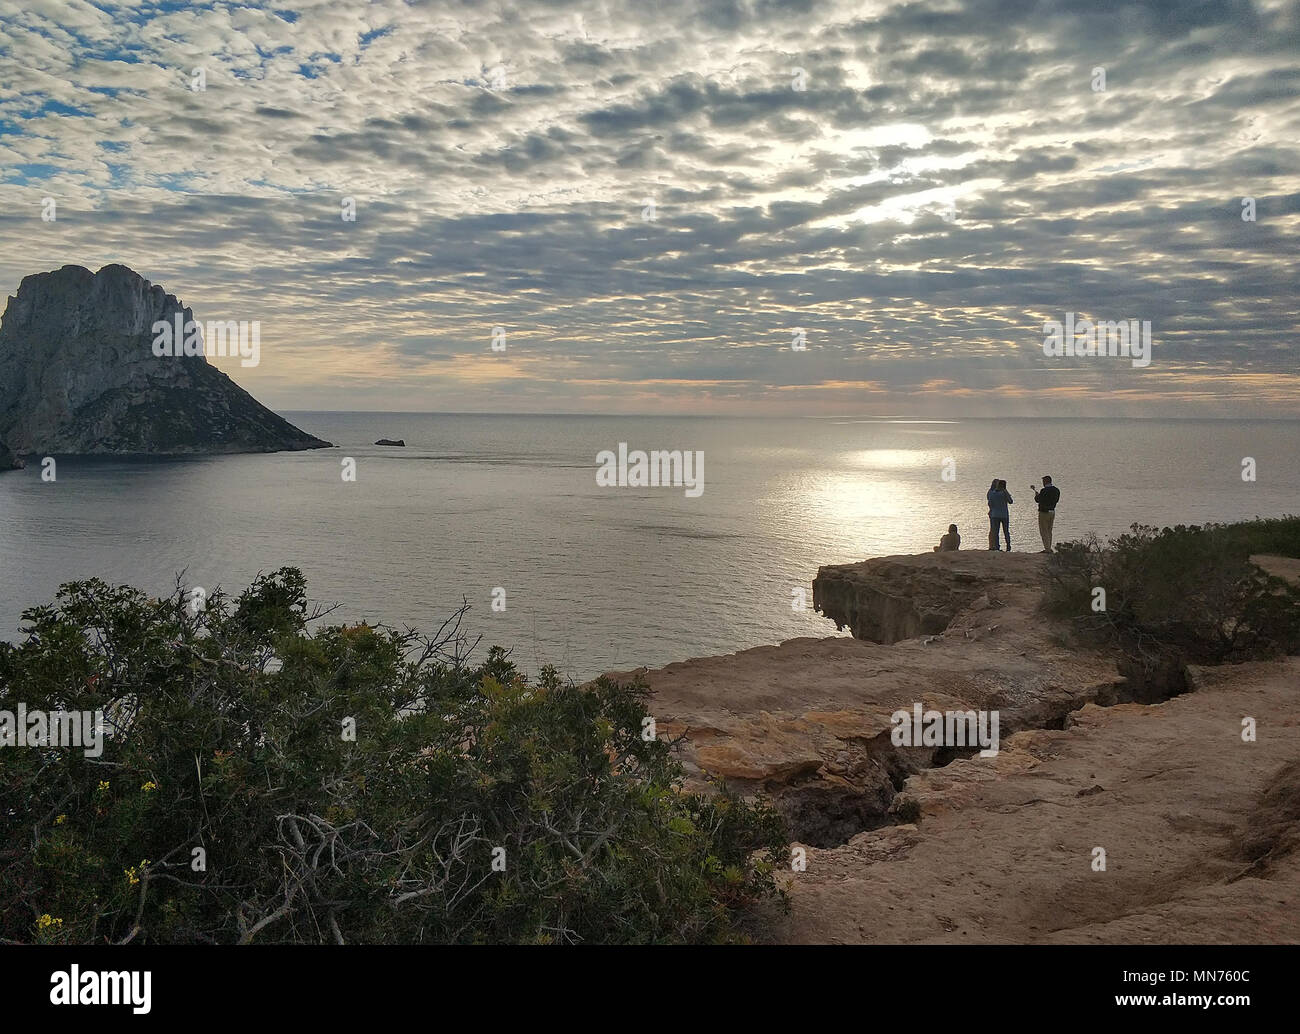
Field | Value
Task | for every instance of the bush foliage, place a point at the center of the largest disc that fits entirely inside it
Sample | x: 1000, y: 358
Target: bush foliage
x: 1189, y: 590
x: 227, y: 735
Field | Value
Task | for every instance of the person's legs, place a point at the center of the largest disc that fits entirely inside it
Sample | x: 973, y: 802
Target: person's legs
x: 1006, y: 530
x: 1045, y: 529
x: 993, y: 532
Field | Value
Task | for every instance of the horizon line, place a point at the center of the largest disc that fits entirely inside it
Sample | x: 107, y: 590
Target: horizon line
x: 901, y: 418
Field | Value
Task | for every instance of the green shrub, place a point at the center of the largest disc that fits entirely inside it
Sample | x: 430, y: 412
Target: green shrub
x: 227, y: 745
x: 1187, y: 590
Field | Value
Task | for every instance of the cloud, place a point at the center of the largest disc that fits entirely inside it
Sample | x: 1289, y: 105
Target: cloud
x: 651, y: 200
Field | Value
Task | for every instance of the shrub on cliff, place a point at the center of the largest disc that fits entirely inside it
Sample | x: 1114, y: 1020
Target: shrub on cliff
x: 1189, y: 591
x: 262, y: 782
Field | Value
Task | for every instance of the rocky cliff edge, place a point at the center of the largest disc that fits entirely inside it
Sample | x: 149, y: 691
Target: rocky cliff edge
x: 913, y: 844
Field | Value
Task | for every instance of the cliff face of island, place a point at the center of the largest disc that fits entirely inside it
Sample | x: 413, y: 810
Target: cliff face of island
x: 78, y: 375
x: 8, y: 461
x: 909, y: 844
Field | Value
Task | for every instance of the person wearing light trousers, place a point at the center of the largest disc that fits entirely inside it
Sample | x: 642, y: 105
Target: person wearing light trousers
x: 1046, y: 500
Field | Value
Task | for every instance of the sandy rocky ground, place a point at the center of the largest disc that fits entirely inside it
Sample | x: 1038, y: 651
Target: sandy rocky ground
x: 1199, y: 828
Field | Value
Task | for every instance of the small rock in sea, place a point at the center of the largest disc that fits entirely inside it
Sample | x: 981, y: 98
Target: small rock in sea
x: 391, y: 441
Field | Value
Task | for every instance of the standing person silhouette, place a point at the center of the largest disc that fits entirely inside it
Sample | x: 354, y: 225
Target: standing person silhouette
x: 1046, y: 500
x: 999, y: 498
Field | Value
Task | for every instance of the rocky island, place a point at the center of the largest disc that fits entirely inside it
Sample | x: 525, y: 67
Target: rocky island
x: 8, y: 461
x: 79, y: 375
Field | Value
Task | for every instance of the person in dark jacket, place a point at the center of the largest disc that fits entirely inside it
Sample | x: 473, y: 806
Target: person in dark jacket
x: 1046, y: 500
x: 999, y: 515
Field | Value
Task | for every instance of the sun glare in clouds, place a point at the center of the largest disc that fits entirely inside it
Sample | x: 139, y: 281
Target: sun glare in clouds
x: 892, y: 178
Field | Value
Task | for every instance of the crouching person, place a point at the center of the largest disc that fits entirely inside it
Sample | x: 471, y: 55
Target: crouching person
x: 950, y: 542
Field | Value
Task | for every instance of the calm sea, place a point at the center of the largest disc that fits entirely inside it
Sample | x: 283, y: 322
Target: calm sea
x: 596, y: 578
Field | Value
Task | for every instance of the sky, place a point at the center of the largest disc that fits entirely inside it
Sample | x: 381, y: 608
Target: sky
x: 652, y: 199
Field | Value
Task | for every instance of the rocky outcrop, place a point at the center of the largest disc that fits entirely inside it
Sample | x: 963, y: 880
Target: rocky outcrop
x: 1200, y: 830
x: 1284, y: 567
x: 807, y: 723
x: 909, y: 844
x: 78, y: 375
x: 391, y: 441
x: 892, y: 598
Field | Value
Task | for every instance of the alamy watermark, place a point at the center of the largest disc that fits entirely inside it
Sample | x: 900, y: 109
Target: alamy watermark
x: 660, y: 468
x: 72, y: 986
x: 24, y: 728
x: 1130, y: 339
x: 181, y: 337
x: 916, y: 728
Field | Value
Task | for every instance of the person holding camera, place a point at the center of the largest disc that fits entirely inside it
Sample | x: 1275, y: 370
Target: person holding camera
x: 1046, y: 499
